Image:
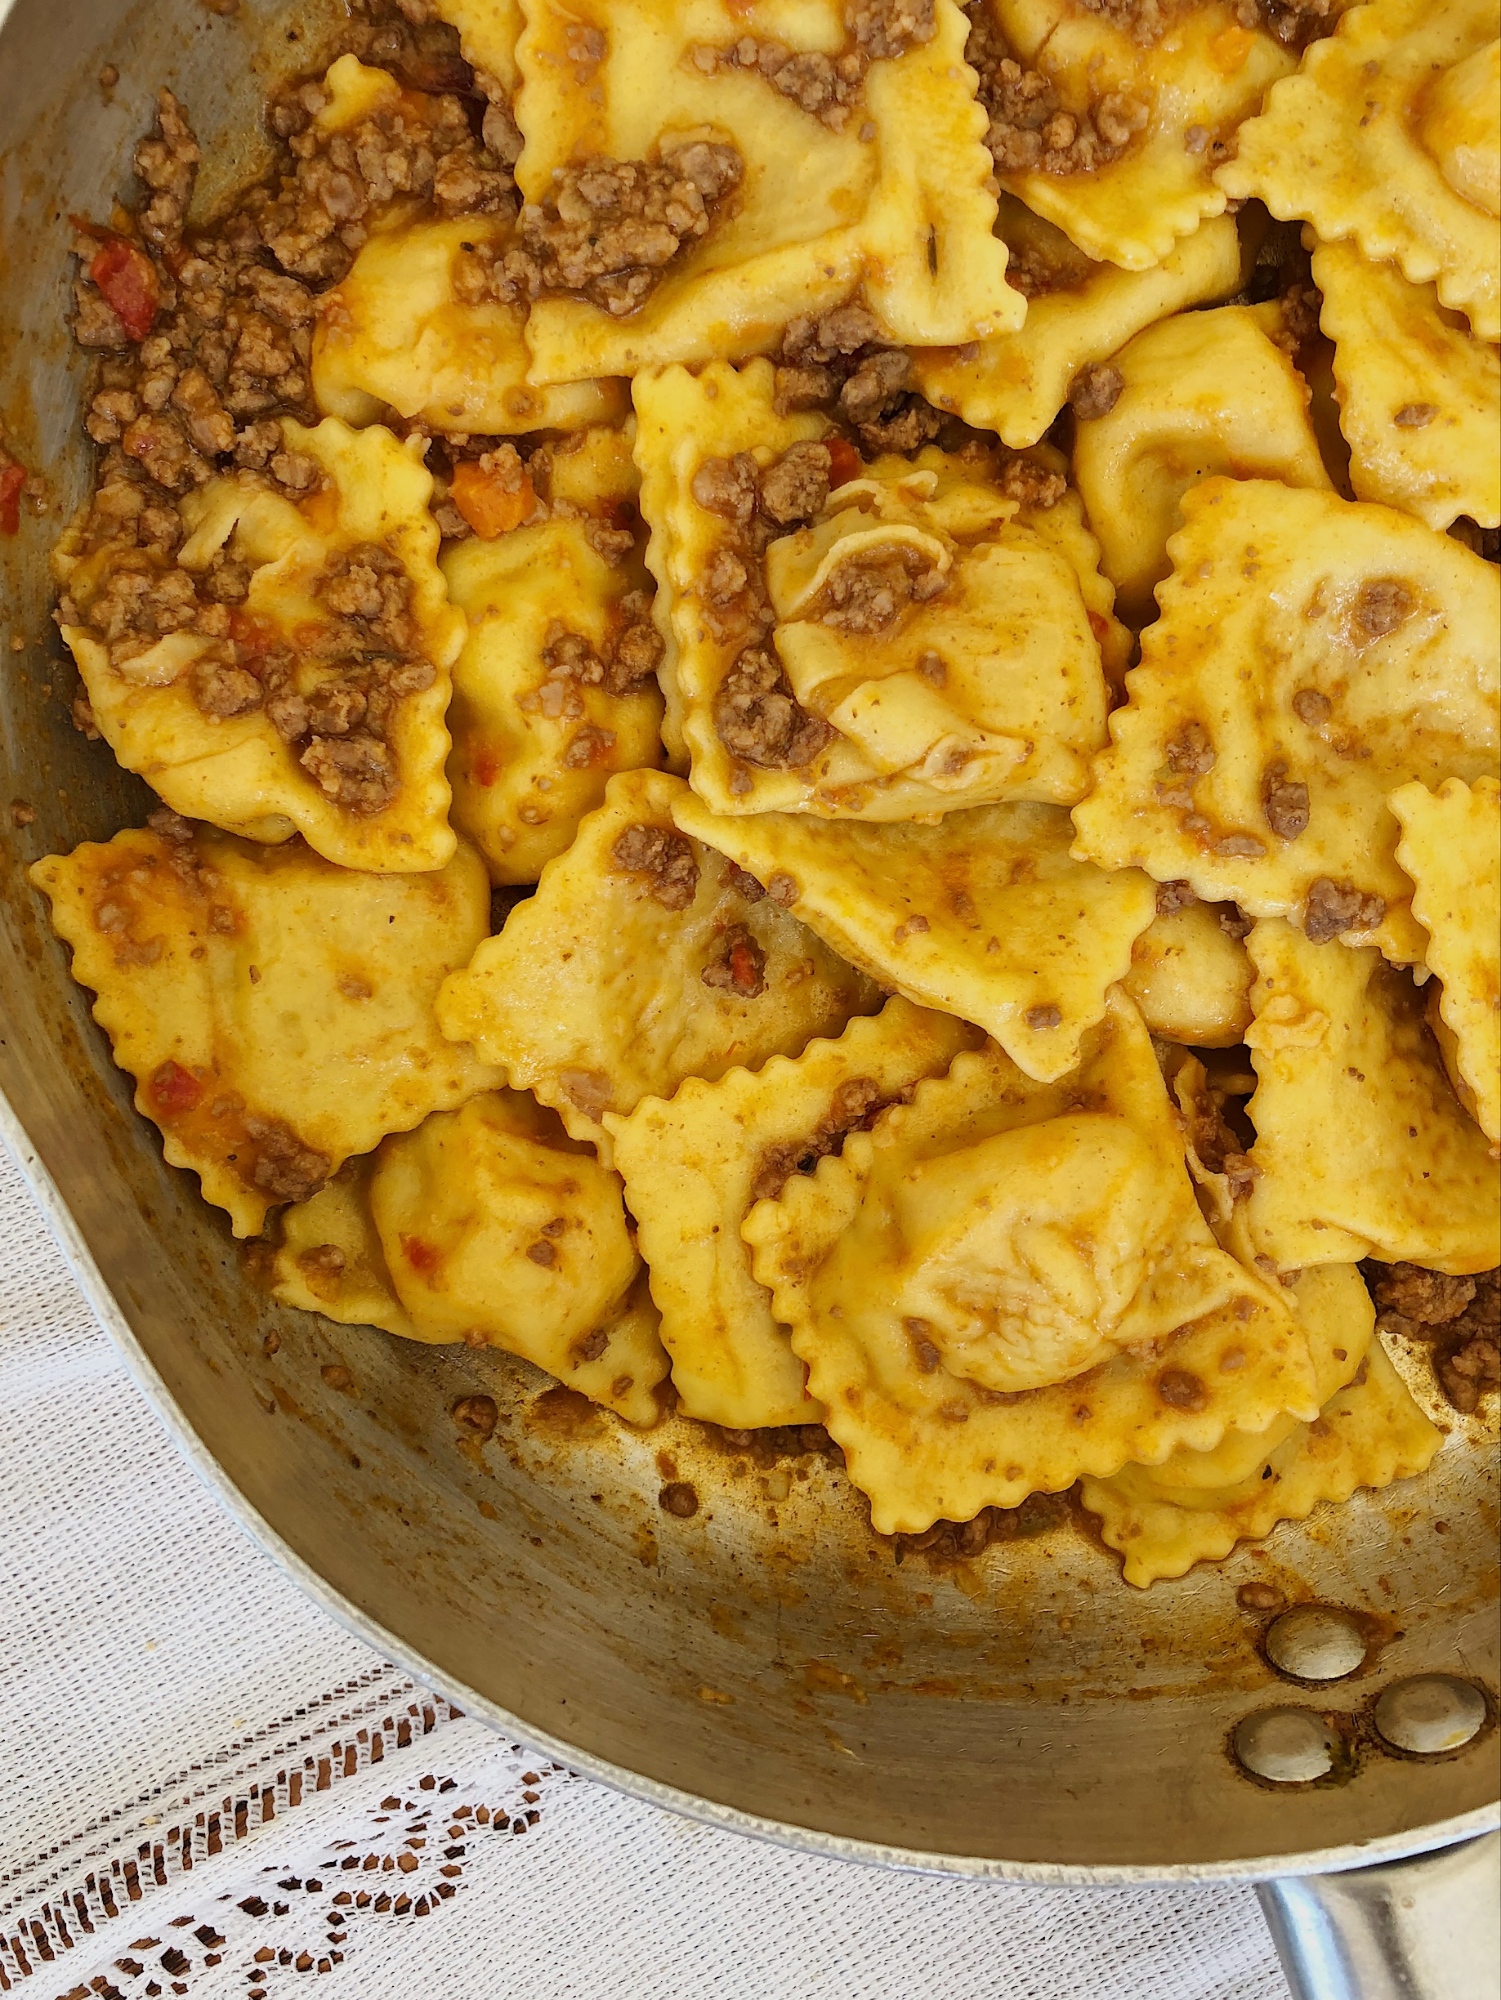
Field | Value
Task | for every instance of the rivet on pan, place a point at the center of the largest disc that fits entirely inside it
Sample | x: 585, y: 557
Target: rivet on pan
x: 1314, y: 1642
x: 1430, y: 1713
x: 1290, y: 1746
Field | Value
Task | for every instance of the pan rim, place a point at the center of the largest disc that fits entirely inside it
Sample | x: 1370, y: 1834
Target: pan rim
x: 620, y: 1778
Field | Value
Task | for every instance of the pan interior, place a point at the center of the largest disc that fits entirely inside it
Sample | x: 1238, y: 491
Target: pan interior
x: 768, y: 1655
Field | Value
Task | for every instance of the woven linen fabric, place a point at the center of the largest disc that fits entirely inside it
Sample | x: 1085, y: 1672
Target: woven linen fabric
x: 206, y: 1788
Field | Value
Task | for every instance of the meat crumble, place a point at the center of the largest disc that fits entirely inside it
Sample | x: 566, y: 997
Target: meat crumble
x: 1332, y: 908
x: 608, y: 229
x: 664, y: 858
x: 760, y: 720
x: 841, y: 361
x: 1030, y: 131
x: 1459, y: 1317
x: 854, y: 1107
x: 829, y: 86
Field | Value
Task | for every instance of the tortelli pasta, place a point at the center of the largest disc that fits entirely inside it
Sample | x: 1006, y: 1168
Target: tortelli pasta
x: 822, y: 676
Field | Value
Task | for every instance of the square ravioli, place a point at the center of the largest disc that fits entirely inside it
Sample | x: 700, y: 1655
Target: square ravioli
x: 1199, y: 396
x: 867, y: 641
x: 1196, y: 1506
x: 1079, y: 313
x: 1004, y: 1285
x: 275, y: 1011
x: 1190, y: 976
x: 1362, y: 1148
x: 1390, y: 135
x: 1311, y: 655
x: 1451, y: 847
x: 695, y: 1164
x: 556, y: 687
x: 1110, y: 122
x: 645, y: 957
x: 287, y: 669
x: 486, y: 1225
x: 427, y: 325
x: 1419, y: 393
x: 984, y: 915
x: 698, y: 172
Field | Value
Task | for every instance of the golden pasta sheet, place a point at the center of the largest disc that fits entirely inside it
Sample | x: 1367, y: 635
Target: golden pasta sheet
x: 488, y: 33
x: 1197, y: 1505
x: 917, y: 638
x: 486, y: 1225
x: 983, y: 915
x: 423, y: 327
x: 1419, y: 393
x: 1004, y: 1285
x: 695, y: 1164
x: 814, y: 185
x: 556, y: 686
x: 1112, y: 135
x: 314, y: 703
x: 1079, y: 313
x: 644, y: 958
x: 1190, y: 976
x: 1362, y: 1148
x: 1200, y: 395
x: 1312, y: 654
x: 275, y: 1011
x: 1390, y: 134
x: 1451, y: 847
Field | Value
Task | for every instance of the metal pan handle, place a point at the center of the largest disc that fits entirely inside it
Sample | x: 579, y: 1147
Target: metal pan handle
x: 1427, y: 1928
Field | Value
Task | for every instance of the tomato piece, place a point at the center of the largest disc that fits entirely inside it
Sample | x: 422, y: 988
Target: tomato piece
x: 488, y: 507
x: 127, y: 278
x: 174, y: 1089
x: 486, y: 767
x: 845, y: 462
x: 420, y: 1254
x: 12, y: 485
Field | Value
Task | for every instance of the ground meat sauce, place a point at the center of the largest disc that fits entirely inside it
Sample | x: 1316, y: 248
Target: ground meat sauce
x: 1332, y: 908
x: 854, y: 1107
x: 1459, y: 1317
x: 608, y: 229
x: 829, y: 86
x: 663, y: 858
x: 842, y: 362
x: 204, y: 342
x: 1029, y: 129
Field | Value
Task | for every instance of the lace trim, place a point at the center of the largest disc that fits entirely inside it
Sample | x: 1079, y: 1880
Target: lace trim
x: 230, y: 1803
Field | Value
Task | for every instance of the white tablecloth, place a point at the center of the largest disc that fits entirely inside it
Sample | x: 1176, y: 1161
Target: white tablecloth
x: 208, y: 1789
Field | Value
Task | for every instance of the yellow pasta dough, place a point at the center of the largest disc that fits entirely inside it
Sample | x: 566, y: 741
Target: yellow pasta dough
x: 1390, y: 135
x: 694, y: 1165
x: 1451, y: 847
x: 416, y: 328
x: 1164, y: 108
x: 488, y: 33
x: 555, y: 688
x: 275, y: 1011
x: 935, y: 641
x: 1006, y: 1284
x: 896, y: 197
x: 643, y: 959
x: 359, y: 800
x: 1202, y: 395
x: 486, y: 1225
x: 1191, y: 978
x: 1311, y: 654
x: 983, y: 915
x: 1419, y: 393
x: 1197, y: 1505
x: 1362, y: 1148
x: 1080, y: 313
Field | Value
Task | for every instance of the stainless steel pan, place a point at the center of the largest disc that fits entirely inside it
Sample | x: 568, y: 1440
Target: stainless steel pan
x: 766, y: 1663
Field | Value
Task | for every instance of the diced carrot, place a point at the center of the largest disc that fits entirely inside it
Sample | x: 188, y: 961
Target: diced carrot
x: 844, y: 461
x: 12, y: 485
x: 490, y: 508
x: 174, y: 1089
x: 127, y: 278
x: 1229, y: 49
